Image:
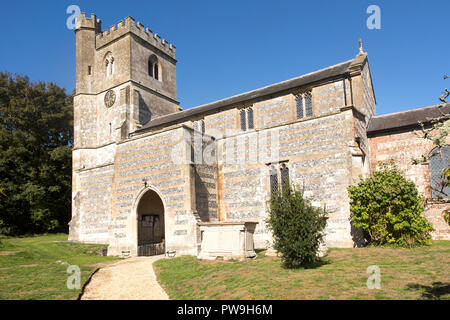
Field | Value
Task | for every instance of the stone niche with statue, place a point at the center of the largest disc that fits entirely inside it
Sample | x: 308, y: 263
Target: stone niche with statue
x: 227, y: 240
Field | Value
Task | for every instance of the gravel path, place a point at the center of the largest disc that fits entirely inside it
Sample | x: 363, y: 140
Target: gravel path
x: 129, y: 279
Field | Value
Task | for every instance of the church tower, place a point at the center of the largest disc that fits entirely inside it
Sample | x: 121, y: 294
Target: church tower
x: 125, y: 77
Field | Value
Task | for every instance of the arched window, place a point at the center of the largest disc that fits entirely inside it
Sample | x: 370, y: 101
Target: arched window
x: 438, y: 162
x: 154, y: 69
x: 109, y: 64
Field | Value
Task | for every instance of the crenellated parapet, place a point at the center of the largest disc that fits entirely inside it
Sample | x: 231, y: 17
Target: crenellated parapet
x: 137, y: 28
x: 92, y: 23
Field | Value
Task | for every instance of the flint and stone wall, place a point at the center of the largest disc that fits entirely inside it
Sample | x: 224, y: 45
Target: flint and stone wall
x: 92, y: 205
x: 114, y: 166
x: 317, y: 150
x: 149, y: 162
x: 402, y: 146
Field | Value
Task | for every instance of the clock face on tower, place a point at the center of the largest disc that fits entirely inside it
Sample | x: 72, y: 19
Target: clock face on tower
x: 110, y: 98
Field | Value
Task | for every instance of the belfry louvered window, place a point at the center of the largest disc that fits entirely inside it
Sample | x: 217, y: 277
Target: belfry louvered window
x: 303, y: 103
x: 438, y: 162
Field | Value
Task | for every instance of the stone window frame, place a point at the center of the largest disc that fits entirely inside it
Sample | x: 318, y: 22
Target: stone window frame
x: 154, y: 67
x: 277, y: 168
x: 247, y: 118
x: 109, y: 65
x: 304, y: 110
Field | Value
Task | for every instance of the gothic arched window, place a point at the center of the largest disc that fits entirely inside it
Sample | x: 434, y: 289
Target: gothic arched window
x: 439, y: 160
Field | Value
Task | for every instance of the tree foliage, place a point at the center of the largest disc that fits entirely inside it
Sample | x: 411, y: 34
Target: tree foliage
x: 297, y: 226
x: 389, y: 209
x: 35, y: 156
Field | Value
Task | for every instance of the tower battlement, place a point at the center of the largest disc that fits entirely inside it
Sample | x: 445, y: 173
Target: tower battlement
x: 138, y: 29
x: 82, y: 22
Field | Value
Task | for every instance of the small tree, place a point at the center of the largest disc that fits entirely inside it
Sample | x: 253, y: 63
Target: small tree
x: 297, y: 226
x: 389, y: 209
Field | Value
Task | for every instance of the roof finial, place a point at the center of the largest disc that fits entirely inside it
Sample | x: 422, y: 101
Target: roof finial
x: 360, y: 46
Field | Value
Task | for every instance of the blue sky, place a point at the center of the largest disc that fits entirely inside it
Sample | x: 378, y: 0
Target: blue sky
x: 229, y: 47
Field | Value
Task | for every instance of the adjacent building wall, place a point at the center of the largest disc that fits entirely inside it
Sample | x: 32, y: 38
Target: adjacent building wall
x: 402, y: 146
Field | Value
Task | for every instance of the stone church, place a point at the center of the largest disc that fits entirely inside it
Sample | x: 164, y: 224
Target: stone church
x: 151, y: 178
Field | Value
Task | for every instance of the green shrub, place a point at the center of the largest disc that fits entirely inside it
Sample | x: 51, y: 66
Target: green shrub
x: 389, y: 209
x: 297, y: 227
x: 447, y: 215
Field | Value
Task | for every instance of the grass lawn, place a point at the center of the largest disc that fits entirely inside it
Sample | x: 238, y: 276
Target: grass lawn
x: 420, y: 273
x: 36, y: 267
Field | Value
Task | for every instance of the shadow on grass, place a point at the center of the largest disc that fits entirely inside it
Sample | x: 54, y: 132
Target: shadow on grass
x: 434, y: 292
x: 260, y: 251
x: 315, y: 265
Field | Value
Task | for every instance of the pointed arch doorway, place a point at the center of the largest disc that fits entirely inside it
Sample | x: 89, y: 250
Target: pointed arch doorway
x: 150, y: 224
